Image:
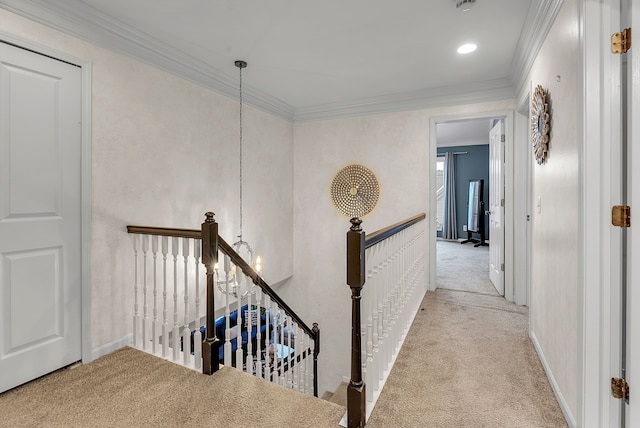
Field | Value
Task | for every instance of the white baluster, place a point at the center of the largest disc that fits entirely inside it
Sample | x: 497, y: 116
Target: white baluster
x: 287, y: 338
x: 249, y: 326
x: 394, y: 297
x: 259, y: 333
x: 386, y: 308
x: 284, y: 353
x: 368, y: 298
x: 137, y: 322
x: 155, y: 326
x: 301, y: 352
x: 405, y: 288
x: 145, y: 319
x: 275, y: 363
x: 394, y: 300
x: 239, y: 355
x: 380, y: 344
x: 186, y: 332
x: 165, y: 319
x: 375, y: 319
x: 227, y: 313
x: 197, y: 336
x: 176, y: 330
x: 267, y: 340
x: 392, y: 290
x: 369, y: 366
x: 307, y: 363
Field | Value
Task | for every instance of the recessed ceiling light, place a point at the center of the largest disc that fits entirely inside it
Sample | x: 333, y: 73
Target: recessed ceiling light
x: 467, y: 48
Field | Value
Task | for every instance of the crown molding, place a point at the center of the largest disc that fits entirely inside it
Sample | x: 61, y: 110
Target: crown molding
x: 542, y: 14
x: 490, y: 90
x: 85, y: 22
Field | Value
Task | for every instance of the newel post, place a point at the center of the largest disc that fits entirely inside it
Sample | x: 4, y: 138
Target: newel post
x: 211, y: 344
x: 356, y: 396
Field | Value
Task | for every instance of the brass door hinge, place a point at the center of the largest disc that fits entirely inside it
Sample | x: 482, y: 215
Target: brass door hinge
x: 619, y: 388
x: 621, y: 42
x: 621, y: 216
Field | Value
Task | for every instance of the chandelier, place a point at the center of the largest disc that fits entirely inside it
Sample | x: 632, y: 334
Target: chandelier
x: 232, y: 281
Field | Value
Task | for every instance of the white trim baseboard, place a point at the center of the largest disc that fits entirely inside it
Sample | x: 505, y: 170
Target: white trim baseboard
x: 110, y: 347
x: 552, y: 380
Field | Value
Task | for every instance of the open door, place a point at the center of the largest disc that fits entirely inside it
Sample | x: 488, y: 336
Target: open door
x: 631, y: 348
x: 496, y: 206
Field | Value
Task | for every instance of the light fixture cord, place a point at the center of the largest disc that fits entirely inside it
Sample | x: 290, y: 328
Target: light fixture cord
x: 240, y: 154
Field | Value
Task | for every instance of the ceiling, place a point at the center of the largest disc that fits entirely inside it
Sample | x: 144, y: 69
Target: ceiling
x: 309, y: 60
x: 470, y: 132
x: 309, y: 53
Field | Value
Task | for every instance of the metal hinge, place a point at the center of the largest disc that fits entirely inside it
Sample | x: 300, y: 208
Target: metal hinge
x: 621, y: 42
x: 502, y: 267
x: 502, y: 202
x: 621, y: 216
x: 502, y: 138
x: 619, y: 388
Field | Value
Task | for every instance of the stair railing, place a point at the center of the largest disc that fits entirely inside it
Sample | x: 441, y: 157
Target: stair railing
x: 392, y: 263
x: 267, y: 338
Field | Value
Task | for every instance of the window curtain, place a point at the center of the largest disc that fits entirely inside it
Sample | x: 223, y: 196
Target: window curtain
x: 450, y: 228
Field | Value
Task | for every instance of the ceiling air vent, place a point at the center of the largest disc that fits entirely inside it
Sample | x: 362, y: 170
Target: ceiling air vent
x: 465, y: 5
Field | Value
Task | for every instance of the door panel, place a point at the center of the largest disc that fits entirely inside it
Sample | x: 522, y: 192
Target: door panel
x: 632, y: 347
x: 496, y: 210
x: 40, y: 220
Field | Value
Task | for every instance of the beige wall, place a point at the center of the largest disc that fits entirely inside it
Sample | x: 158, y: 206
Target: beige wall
x: 554, y: 281
x: 396, y: 147
x: 165, y: 151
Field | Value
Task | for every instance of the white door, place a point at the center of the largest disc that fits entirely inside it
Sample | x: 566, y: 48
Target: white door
x: 40, y: 258
x: 632, y: 413
x: 496, y: 206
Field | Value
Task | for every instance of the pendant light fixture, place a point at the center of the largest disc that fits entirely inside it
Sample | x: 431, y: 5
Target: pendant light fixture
x: 233, y: 284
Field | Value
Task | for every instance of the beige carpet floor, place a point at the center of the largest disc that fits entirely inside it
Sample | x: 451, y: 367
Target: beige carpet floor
x: 467, y: 361
x: 463, y: 267
x: 132, y: 389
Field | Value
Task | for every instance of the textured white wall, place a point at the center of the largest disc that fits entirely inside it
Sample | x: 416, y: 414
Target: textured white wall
x: 165, y: 151
x: 554, y: 281
x: 396, y: 147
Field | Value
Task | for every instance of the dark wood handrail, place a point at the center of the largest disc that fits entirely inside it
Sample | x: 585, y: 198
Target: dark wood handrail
x: 382, y: 234
x: 166, y: 231
x: 235, y: 258
x: 357, y: 242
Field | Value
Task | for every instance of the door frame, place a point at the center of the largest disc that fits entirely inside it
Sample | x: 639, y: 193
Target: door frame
x: 508, y: 247
x: 85, y: 191
x: 522, y: 161
x: 497, y: 199
x: 598, y: 324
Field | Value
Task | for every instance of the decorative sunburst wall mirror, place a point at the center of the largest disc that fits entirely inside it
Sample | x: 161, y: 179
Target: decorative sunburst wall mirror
x: 355, y: 191
x: 540, y: 120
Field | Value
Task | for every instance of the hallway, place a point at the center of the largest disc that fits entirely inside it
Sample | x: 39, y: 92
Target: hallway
x: 467, y: 360
x: 463, y: 267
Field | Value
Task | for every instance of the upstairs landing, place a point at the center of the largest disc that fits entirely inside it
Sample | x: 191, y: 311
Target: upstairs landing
x: 132, y: 388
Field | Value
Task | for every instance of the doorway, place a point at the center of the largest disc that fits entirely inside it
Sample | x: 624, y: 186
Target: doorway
x: 44, y: 196
x: 506, y: 201
x: 462, y: 249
